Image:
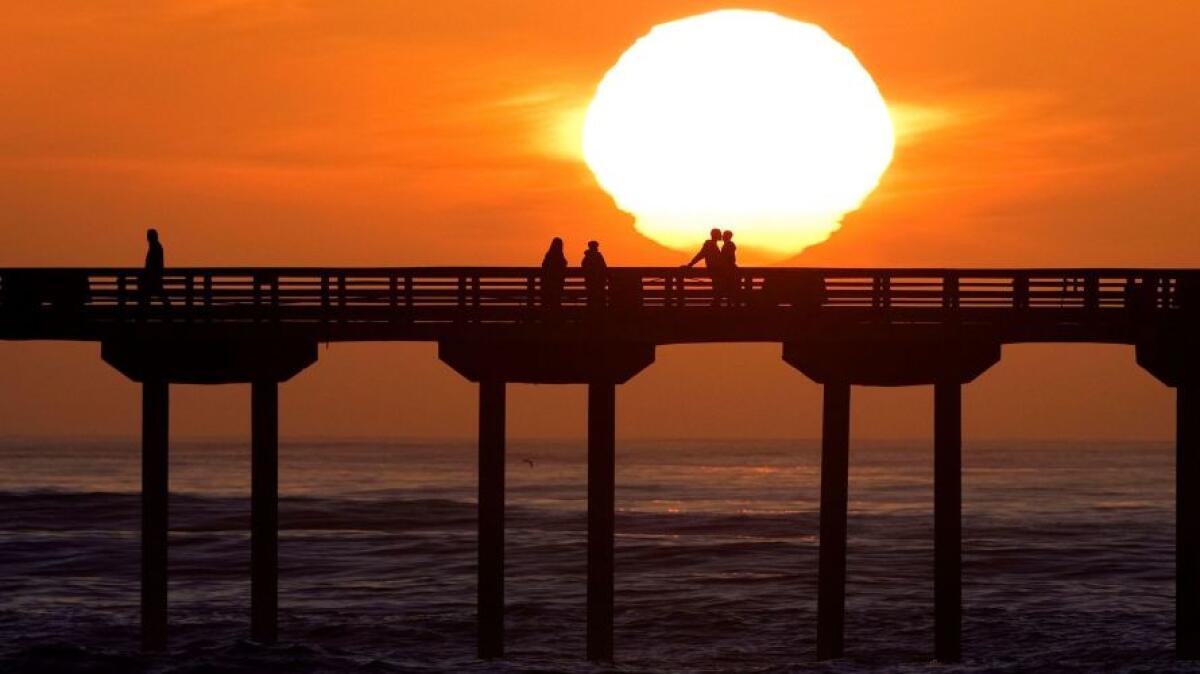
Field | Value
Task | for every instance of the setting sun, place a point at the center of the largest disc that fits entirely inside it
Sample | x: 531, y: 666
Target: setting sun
x: 742, y: 120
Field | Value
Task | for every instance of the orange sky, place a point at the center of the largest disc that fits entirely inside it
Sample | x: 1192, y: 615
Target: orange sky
x: 394, y: 133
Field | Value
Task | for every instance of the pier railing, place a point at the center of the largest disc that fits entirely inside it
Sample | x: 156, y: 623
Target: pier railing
x: 513, y: 294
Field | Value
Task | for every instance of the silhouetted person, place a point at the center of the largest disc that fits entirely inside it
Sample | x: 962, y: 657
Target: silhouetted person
x: 728, y: 268
x: 554, y: 271
x: 710, y: 252
x: 152, y: 274
x: 595, y: 274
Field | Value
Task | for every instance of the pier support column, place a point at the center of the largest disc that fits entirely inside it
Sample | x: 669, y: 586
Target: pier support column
x: 491, y: 518
x: 1173, y: 359
x: 831, y: 574
x: 155, y: 453
x: 601, y: 515
x: 893, y: 358
x: 264, y: 511
x: 602, y: 364
x: 947, y: 521
x: 262, y: 363
x: 1187, y: 521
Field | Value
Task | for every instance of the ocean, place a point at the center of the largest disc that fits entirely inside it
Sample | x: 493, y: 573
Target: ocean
x: 1068, y: 558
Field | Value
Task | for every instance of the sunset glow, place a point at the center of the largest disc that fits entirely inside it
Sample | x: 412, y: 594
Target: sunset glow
x: 741, y: 120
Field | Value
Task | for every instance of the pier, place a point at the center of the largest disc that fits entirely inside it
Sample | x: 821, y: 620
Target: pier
x: 842, y: 328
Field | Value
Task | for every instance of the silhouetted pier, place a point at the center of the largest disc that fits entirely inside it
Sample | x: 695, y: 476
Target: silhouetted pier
x: 840, y: 327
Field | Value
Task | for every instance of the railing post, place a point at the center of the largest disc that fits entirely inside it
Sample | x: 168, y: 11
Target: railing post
x: 257, y: 297
x: 122, y: 294
x: 325, y: 300
x: 475, y: 298
x: 341, y: 295
x: 1091, y: 296
x: 462, y: 298
x: 207, y: 289
x: 947, y: 520
x: 155, y: 453
x: 1021, y: 291
x: 491, y: 519
x: 189, y: 303
x: 831, y: 574
x: 393, y: 295
x: 264, y: 510
x: 950, y: 296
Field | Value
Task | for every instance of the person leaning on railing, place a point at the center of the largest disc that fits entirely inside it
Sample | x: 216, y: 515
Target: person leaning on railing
x: 710, y: 253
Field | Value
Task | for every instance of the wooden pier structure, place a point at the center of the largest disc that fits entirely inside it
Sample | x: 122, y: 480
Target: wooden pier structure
x: 840, y: 327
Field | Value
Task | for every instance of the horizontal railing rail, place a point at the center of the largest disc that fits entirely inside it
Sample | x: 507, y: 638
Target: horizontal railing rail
x: 458, y: 294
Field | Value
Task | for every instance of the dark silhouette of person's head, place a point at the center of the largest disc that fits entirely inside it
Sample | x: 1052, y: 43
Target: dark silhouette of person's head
x: 554, y: 257
x: 593, y: 245
x: 727, y: 235
x: 715, y: 234
x: 152, y: 235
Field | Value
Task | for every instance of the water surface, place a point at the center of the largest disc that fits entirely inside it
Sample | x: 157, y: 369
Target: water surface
x: 1068, y: 564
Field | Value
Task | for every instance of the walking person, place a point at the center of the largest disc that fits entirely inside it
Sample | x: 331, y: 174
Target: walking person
x: 554, y: 272
x: 595, y: 275
x: 152, y: 274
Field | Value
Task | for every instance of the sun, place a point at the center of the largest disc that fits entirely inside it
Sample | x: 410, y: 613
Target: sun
x: 741, y: 120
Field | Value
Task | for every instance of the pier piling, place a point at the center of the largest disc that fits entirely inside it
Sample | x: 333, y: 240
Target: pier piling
x: 602, y: 365
x: 1171, y: 357
x: 946, y: 362
x: 491, y: 518
x: 601, y: 514
x: 264, y: 515
x: 155, y: 454
x: 1187, y: 521
x: 831, y: 574
x: 262, y: 363
x: 947, y: 521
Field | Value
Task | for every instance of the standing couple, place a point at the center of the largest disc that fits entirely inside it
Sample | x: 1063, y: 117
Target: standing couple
x: 554, y: 271
x: 720, y: 257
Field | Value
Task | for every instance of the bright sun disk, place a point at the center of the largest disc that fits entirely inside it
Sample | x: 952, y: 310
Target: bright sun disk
x: 742, y: 120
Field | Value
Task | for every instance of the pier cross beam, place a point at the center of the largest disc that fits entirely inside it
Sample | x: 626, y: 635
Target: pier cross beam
x: 601, y: 365
x: 263, y: 364
x: 1173, y: 359
x: 944, y: 361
